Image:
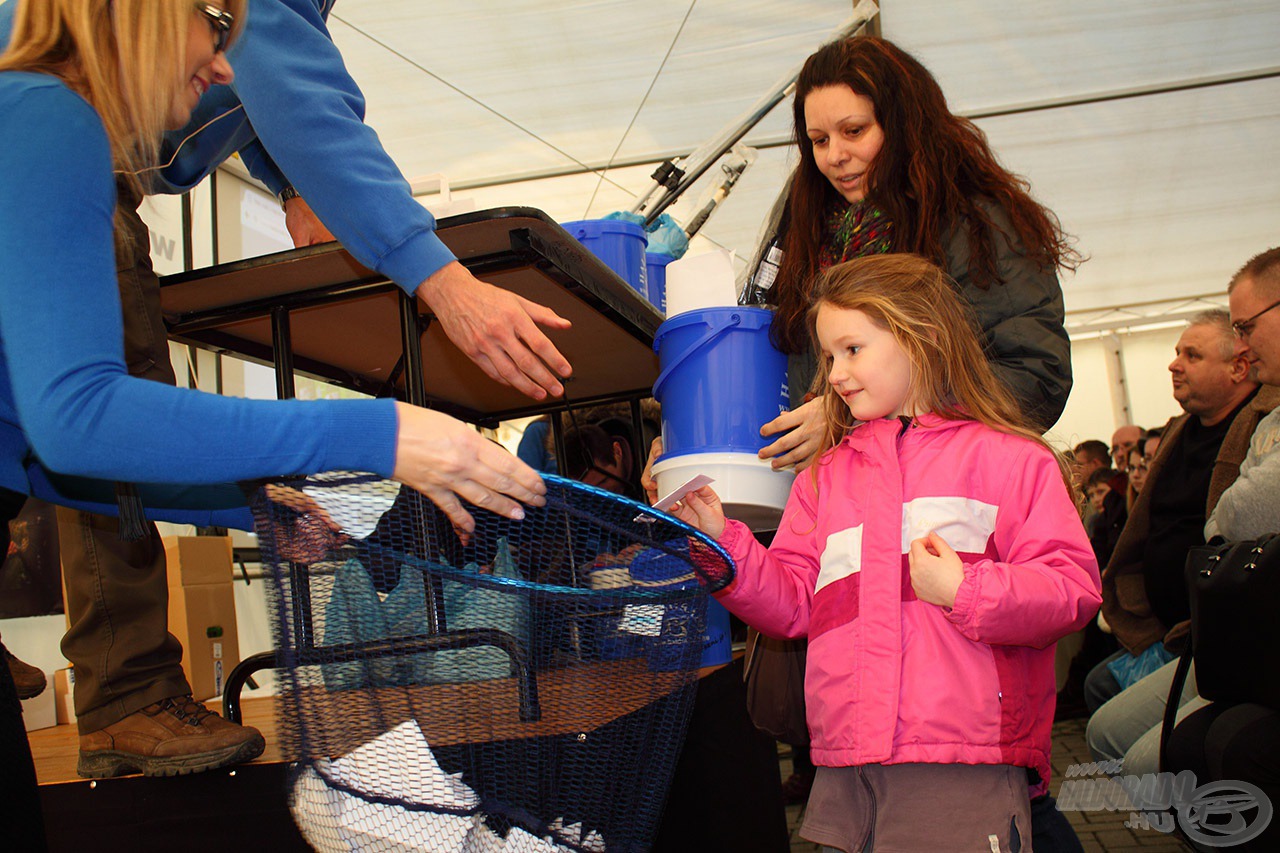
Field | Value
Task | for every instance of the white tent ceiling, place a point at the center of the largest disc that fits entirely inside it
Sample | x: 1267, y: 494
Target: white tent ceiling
x: 1152, y: 127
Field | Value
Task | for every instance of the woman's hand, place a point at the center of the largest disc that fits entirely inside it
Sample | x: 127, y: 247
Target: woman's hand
x: 446, y: 460
x: 803, y: 428
x: 936, y: 570
x: 647, y: 482
x: 701, y: 509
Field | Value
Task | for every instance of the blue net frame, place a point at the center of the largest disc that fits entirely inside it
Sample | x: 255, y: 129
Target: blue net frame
x: 526, y: 690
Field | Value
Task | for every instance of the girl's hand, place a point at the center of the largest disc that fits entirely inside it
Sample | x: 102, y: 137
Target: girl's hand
x: 701, y: 509
x: 647, y: 482
x: 803, y: 427
x: 936, y: 570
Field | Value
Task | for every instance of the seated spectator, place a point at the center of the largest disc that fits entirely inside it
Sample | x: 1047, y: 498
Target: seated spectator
x: 1138, y: 467
x: 1128, y: 725
x: 1106, y: 490
x: 599, y: 459
x: 536, y: 449
x: 1123, y: 440
x: 1087, y: 457
x: 1242, y: 742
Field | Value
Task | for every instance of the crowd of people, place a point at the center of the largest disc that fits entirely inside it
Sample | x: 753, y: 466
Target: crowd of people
x: 1154, y: 495
x: 933, y: 550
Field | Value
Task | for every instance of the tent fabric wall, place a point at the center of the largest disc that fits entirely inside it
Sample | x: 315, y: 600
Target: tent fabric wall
x: 1151, y: 128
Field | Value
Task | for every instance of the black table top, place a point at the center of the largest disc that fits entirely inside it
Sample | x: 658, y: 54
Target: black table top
x: 345, y: 322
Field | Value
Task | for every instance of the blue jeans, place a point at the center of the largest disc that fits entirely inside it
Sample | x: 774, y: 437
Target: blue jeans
x: 1100, y: 685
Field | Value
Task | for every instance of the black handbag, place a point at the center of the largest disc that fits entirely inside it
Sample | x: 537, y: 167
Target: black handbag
x: 1235, y: 639
x: 1235, y: 599
x: 774, y: 673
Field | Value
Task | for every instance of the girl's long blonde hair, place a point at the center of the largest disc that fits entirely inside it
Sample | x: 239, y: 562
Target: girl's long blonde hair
x: 950, y: 376
x: 125, y: 57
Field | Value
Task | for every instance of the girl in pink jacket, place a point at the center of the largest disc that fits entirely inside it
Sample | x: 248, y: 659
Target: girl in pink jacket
x: 933, y: 557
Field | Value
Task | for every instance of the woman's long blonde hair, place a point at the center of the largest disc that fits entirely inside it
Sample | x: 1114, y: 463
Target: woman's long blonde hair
x: 950, y: 376
x: 125, y: 57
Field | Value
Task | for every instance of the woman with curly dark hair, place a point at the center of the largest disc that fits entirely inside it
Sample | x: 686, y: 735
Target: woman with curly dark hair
x: 886, y: 167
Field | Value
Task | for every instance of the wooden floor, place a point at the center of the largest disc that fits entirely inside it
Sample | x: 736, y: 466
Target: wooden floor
x: 57, y: 749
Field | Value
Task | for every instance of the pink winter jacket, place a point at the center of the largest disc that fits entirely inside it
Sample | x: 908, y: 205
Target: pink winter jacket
x: 892, y: 679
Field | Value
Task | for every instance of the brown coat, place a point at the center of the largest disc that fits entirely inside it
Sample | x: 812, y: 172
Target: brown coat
x: 1124, y: 595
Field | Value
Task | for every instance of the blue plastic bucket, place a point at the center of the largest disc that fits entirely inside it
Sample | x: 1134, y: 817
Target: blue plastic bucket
x: 670, y: 651
x: 619, y: 244
x: 721, y: 380
x: 655, y: 265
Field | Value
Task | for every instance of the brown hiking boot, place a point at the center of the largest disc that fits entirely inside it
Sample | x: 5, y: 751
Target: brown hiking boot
x: 172, y: 737
x: 29, y: 680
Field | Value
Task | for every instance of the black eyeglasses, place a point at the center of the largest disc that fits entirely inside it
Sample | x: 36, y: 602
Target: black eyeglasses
x: 1244, y: 328
x: 221, y: 21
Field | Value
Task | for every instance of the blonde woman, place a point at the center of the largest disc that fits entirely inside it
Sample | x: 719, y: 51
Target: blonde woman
x: 87, y: 88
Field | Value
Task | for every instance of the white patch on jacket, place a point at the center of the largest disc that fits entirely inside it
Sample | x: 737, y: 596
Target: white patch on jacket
x: 842, y: 556
x: 964, y: 523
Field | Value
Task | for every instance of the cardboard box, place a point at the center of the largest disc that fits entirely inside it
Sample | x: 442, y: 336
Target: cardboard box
x: 203, y: 618
x: 64, y: 687
x: 39, y: 712
x: 202, y: 610
x: 197, y: 560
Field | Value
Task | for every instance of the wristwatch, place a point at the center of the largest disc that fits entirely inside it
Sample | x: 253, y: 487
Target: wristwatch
x: 287, y: 193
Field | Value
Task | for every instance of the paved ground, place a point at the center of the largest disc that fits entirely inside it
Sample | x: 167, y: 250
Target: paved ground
x: 1099, y: 831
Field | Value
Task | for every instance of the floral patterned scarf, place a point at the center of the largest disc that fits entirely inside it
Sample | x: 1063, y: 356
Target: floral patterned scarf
x: 853, y: 231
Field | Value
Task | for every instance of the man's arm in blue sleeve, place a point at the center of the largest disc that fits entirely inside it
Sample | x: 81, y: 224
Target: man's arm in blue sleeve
x: 309, y: 113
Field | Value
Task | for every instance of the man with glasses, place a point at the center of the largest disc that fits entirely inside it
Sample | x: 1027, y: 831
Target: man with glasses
x: 296, y: 119
x: 1250, y: 507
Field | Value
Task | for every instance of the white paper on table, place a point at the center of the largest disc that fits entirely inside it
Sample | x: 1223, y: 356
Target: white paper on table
x: 380, y: 828
x: 317, y: 809
x: 355, y: 508
x: 482, y: 839
x: 399, y: 765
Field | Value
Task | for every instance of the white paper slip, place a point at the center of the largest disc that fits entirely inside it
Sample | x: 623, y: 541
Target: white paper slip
x: 673, y: 497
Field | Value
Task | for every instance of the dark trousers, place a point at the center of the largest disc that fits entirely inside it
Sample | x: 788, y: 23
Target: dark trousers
x: 725, y: 793
x: 1233, y: 743
x: 117, y: 595
x: 20, y: 815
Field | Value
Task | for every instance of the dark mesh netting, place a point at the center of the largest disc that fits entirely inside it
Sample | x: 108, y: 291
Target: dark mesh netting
x: 527, y: 691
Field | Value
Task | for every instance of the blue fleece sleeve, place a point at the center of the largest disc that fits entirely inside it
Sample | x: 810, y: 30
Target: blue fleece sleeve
x: 60, y: 323
x: 309, y: 115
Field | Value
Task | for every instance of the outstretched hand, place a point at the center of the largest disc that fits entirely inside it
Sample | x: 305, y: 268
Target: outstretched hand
x: 936, y: 570
x: 450, y: 462
x: 498, y: 330
x: 701, y: 509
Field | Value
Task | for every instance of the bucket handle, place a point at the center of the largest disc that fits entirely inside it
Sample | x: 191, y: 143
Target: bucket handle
x: 735, y: 320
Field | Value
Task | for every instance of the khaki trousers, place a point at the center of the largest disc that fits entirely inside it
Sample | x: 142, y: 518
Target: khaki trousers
x: 117, y: 592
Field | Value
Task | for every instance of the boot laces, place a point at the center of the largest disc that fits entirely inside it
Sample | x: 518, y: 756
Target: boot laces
x: 185, y: 708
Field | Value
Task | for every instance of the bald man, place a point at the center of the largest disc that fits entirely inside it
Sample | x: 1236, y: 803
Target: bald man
x: 1123, y: 440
